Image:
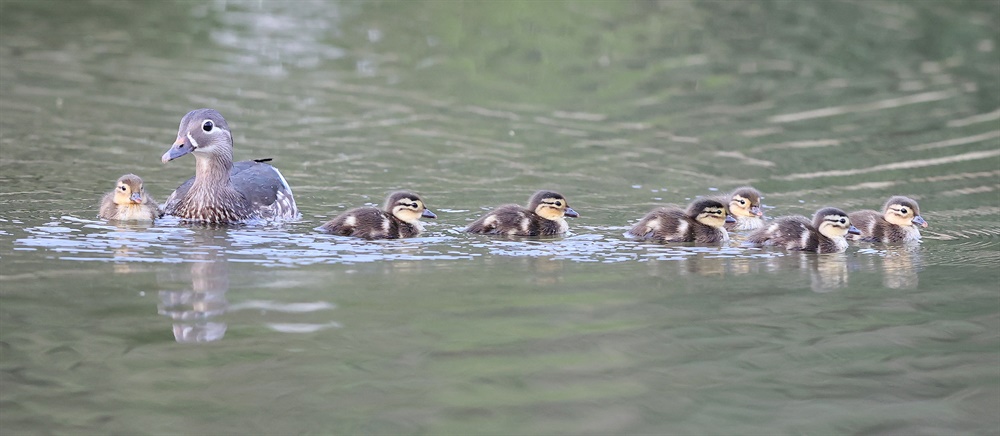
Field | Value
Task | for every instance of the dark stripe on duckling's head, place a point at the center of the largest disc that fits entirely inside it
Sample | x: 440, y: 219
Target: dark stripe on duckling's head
x: 551, y: 205
x: 709, y: 211
x: 407, y: 206
x: 745, y: 201
x: 203, y: 131
x: 903, y: 211
x: 833, y: 222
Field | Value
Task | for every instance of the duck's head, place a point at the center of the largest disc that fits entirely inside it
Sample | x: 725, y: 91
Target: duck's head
x: 551, y: 205
x: 833, y: 223
x: 903, y: 211
x: 407, y: 206
x: 203, y: 132
x: 128, y: 190
x: 745, y: 202
x: 710, y: 212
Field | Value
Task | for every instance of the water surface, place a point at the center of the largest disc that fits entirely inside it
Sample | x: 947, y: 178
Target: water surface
x: 621, y: 106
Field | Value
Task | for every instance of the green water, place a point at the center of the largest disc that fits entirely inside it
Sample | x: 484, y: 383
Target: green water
x: 621, y: 106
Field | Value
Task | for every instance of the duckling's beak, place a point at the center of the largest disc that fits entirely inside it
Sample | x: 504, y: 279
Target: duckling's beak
x: 180, y: 148
x: 854, y: 230
x: 570, y: 213
x: 428, y: 214
x: 918, y: 220
x: 756, y: 211
x: 730, y: 219
x: 136, y: 197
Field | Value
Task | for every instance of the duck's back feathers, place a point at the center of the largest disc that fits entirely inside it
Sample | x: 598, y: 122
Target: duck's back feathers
x: 512, y: 220
x: 368, y: 223
x: 263, y: 193
x: 793, y: 233
x: 664, y: 224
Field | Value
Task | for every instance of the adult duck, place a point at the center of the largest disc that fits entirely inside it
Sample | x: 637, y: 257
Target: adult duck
x: 221, y: 191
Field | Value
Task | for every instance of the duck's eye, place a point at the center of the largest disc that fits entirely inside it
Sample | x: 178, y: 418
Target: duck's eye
x: 558, y: 204
x: 903, y: 211
x: 743, y: 202
x: 208, y: 126
x: 843, y: 221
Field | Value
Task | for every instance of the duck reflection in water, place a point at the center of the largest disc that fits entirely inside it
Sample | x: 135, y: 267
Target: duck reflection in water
x: 899, y: 265
x: 192, y: 309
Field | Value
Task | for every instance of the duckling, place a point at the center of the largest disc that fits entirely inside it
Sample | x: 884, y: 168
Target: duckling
x: 898, y: 223
x: 221, y: 191
x: 703, y: 222
x: 744, y: 206
x: 399, y: 218
x: 825, y: 234
x: 129, y: 202
x: 543, y: 217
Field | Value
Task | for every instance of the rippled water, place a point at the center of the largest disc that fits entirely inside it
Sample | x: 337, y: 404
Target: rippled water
x: 621, y: 106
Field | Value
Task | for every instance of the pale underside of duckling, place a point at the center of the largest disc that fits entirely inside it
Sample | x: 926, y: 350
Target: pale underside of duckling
x: 400, y: 218
x: 129, y: 202
x: 744, y: 206
x: 703, y: 222
x: 825, y: 234
x: 543, y: 217
x: 901, y: 222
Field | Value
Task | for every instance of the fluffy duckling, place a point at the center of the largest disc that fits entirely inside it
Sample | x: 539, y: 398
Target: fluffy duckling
x: 129, y: 202
x: 898, y: 223
x: 544, y: 216
x: 399, y: 218
x: 221, y: 191
x: 703, y: 222
x: 744, y: 206
x: 825, y: 234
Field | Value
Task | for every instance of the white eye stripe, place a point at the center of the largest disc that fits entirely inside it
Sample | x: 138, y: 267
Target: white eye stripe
x: 194, y: 143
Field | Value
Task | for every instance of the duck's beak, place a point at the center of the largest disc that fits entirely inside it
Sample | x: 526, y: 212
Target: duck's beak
x: 570, y: 213
x: 136, y: 197
x: 428, y: 214
x: 756, y: 211
x: 180, y: 148
x: 730, y: 219
x: 854, y: 230
x: 918, y: 220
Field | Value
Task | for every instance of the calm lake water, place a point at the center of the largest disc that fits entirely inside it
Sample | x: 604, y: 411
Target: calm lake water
x: 620, y: 106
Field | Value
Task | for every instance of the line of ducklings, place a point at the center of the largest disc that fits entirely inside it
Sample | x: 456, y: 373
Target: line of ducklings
x: 222, y: 191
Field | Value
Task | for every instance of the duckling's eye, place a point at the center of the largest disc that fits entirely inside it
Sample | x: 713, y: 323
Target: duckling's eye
x: 558, y: 204
x: 843, y: 221
x: 207, y: 127
x: 122, y: 187
x: 903, y: 211
x: 743, y: 202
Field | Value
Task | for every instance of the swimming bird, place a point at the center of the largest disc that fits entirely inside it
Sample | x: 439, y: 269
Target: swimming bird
x: 898, y: 223
x: 399, y: 218
x: 129, y: 202
x: 825, y: 234
x: 221, y: 191
x: 703, y: 222
x: 544, y: 216
x: 744, y: 206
